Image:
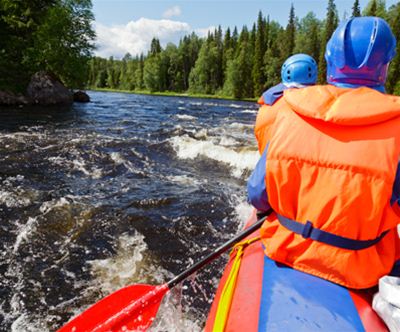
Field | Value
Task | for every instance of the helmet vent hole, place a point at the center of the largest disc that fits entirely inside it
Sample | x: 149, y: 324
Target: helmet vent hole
x: 309, y: 75
x: 289, y: 78
x: 288, y: 72
x: 309, y: 69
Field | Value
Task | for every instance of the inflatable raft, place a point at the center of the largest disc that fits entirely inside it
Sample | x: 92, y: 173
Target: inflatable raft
x: 269, y: 296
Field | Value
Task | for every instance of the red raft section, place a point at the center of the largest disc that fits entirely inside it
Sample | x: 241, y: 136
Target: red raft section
x: 273, y: 297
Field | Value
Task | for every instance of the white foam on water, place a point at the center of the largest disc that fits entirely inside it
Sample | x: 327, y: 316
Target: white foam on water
x: 250, y: 111
x: 47, y: 206
x: 131, y: 264
x: 243, y: 211
x: 171, y: 316
x: 24, y: 323
x: 201, y: 134
x: 119, y: 160
x: 77, y: 164
x: 143, y: 158
x: 241, y: 126
x: 80, y: 165
x: 59, y: 161
x: 14, y: 194
x: 20, y: 136
x: 185, y: 117
x: 11, y: 199
x: 24, y: 231
x: 227, y: 141
x: 235, y: 106
x: 185, y: 180
x: 211, y: 104
x: 17, y: 178
x: 189, y: 148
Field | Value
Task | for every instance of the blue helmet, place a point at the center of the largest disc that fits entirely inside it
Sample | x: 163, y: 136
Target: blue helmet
x: 359, y: 52
x: 300, y: 69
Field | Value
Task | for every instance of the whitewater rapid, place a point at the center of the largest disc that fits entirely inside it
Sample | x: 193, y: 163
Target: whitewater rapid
x: 127, y: 189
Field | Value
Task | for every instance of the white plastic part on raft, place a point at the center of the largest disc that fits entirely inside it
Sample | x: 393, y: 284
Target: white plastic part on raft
x: 389, y: 288
x: 387, y: 302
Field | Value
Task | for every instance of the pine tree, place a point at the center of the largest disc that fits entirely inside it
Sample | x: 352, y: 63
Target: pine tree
x: 220, y: 57
x: 372, y: 10
x: 139, y: 73
x: 356, y: 9
x: 151, y: 78
x: 393, y: 81
x: 259, y: 51
x: 331, y: 23
x: 307, y: 36
x: 266, y: 35
x: 235, y: 38
x: 290, y: 33
x: 238, y: 82
x: 227, y: 47
x: 203, y: 77
x: 376, y: 8
x: 314, y: 42
x: 155, y: 47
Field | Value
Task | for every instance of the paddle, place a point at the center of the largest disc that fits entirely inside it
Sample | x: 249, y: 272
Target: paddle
x: 133, y: 308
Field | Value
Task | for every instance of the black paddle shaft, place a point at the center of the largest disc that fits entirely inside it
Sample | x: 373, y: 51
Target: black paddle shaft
x: 173, y: 282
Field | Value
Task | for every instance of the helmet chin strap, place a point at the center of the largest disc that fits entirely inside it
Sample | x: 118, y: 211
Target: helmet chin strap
x: 379, y: 88
x: 294, y: 85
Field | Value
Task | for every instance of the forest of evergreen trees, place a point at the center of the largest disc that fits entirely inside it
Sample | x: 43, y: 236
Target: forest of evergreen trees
x: 232, y: 63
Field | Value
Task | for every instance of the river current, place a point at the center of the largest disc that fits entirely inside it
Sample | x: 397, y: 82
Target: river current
x: 126, y: 189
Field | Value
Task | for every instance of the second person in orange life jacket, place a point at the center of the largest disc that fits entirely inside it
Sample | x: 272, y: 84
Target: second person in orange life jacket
x: 330, y: 169
x: 298, y: 71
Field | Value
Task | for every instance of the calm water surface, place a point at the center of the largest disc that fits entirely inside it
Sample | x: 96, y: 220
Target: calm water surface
x: 126, y: 189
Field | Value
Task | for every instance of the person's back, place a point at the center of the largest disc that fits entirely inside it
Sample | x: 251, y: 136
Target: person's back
x: 298, y: 71
x: 331, y: 165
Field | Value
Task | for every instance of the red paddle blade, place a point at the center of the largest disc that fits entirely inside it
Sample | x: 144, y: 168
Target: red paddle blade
x: 132, y: 308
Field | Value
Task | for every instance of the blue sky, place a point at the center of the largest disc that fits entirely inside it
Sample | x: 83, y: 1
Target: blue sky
x: 129, y: 25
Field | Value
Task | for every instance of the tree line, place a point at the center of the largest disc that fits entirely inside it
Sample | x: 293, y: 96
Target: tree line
x: 51, y: 35
x: 232, y: 63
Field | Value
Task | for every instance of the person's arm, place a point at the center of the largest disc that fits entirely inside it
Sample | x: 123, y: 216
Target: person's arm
x: 256, y: 188
x: 395, y: 200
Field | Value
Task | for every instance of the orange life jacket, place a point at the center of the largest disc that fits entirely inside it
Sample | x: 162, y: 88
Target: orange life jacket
x: 265, y: 119
x: 331, y: 164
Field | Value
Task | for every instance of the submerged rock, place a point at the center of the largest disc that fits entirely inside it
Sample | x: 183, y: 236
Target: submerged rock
x: 45, y: 89
x: 81, y: 97
x: 11, y: 99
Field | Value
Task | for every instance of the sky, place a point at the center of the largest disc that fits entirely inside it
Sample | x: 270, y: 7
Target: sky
x: 129, y: 25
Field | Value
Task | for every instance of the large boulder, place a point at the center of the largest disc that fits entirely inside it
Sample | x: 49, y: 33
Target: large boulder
x: 81, y: 97
x: 10, y: 99
x: 45, y: 89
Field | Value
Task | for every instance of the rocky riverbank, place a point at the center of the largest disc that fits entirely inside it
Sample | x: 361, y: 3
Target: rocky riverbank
x: 43, y: 89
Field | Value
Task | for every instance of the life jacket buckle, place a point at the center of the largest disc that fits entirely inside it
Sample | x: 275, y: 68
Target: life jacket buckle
x: 308, y: 227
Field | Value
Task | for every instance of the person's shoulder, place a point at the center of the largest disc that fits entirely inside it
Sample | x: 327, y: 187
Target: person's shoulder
x: 274, y: 93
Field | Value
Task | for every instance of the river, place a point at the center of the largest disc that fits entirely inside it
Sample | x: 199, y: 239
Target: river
x: 126, y: 189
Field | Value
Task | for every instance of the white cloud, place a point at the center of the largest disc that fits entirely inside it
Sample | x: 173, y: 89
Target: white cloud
x: 173, y: 11
x: 135, y: 37
x: 203, y: 32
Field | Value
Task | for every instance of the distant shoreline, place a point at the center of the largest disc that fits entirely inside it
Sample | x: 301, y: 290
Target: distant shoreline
x: 171, y: 94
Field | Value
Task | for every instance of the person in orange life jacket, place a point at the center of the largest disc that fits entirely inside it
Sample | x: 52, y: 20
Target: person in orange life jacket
x: 298, y: 71
x: 331, y: 168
